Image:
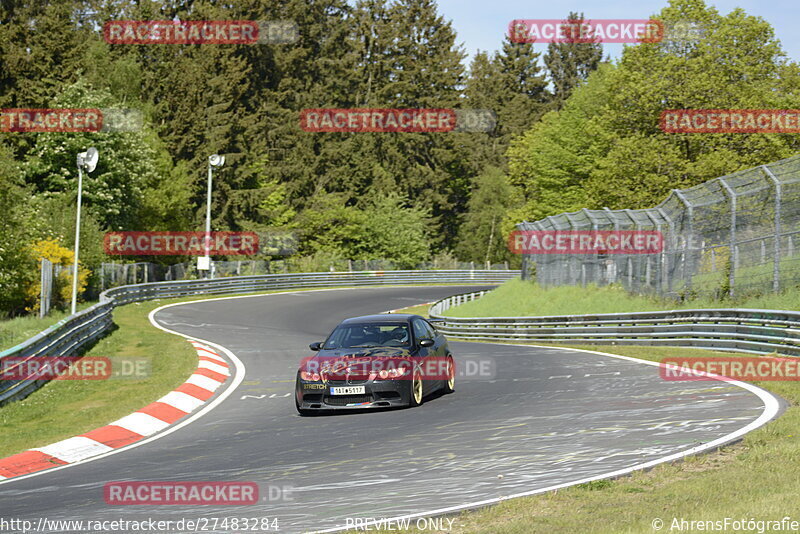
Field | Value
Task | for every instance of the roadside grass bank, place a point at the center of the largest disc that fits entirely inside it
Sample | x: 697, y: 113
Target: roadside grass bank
x: 65, y: 408
x: 15, y: 331
x: 755, y: 478
x: 523, y: 298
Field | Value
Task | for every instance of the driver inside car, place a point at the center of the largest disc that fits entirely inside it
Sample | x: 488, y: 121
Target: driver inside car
x: 399, y: 335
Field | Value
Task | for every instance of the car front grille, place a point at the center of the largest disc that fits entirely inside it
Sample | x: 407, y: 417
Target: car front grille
x: 344, y: 400
x: 351, y: 382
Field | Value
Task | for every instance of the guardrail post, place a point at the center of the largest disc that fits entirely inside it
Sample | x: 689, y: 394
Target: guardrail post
x: 776, y: 267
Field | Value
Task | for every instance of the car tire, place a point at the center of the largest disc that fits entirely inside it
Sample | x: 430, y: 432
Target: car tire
x: 449, y: 384
x: 415, y: 390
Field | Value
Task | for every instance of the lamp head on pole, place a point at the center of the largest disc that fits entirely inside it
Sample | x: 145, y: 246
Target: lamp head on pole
x: 88, y: 160
x: 216, y: 161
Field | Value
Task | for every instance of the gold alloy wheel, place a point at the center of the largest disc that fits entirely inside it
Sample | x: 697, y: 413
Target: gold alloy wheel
x: 451, y: 375
x: 416, y: 389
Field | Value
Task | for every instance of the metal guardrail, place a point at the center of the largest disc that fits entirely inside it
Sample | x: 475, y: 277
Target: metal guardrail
x: 70, y: 336
x: 733, y: 330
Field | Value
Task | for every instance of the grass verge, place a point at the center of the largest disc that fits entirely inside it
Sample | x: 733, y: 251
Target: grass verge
x: 523, y: 298
x: 15, y: 331
x: 754, y: 478
x: 65, y: 408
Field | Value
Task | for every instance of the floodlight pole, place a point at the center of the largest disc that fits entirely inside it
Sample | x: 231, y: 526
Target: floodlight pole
x: 214, y: 160
x: 77, y: 238
x: 208, y: 222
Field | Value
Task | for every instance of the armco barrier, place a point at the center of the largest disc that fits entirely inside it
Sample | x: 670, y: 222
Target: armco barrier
x: 71, y: 335
x: 733, y: 330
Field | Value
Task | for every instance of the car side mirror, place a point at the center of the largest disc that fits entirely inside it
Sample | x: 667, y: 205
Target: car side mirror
x: 317, y: 345
x: 425, y: 342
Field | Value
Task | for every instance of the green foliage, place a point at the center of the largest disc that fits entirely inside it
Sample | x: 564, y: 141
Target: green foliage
x: 16, y: 271
x: 114, y: 192
x: 569, y: 64
x: 604, y: 148
x: 396, y: 231
x: 482, y: 238
x: 400, y: 197
x: 386, y: 227
x: 550, y: 163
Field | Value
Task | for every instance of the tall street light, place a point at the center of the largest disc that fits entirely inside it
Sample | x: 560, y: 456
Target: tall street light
x: 215, y: 161
x: 86, y: 160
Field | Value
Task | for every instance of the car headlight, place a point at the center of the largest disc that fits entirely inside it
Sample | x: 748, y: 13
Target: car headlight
x: 312, y: 377
x: 393, y: 373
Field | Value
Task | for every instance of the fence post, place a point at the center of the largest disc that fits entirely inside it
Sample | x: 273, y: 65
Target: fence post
x: 572, y: 262
x: 666, y: 279
x: 660, y: 261
x: 687, y: 249
x: 46, y: 287
x: 591, y: 218
x: 734, y: 259
x: 776, y: 267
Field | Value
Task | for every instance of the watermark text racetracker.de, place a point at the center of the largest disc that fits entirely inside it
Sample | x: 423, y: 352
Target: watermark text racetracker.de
x: 585, y: 242
x: 389, y: 120
x: 729, y: 368
x: 730, y: 121
x: 585, y: 31
x: 397, y: 368
x: 242, y: 32
x: 181, y: 243
x: 51, y: 120
x: 71, y: 368
x: 192, y: 493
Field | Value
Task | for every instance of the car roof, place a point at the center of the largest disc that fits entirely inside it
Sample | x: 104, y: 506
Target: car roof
x: 382, y: 318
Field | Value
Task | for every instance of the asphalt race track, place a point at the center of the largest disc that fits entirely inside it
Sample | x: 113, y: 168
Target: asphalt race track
x: 544, y: 417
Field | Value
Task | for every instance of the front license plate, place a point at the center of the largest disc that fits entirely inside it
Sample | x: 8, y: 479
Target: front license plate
x: 348, y: 390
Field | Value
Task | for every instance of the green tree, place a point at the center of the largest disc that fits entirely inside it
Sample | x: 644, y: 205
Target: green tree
x: 115, y: 192
x: 17, y: 269
x: 570, y: 63
x: 396, y: 231
x: 605, y: 148
x: 481, y: 235
x: 550, y: 164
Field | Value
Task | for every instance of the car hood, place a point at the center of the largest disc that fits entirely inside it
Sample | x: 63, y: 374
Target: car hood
x: 361, y: 362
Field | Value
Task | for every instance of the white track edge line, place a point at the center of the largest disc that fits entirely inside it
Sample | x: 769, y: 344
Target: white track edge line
x: 771, y: 409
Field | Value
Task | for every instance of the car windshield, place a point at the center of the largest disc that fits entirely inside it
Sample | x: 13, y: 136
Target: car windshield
x: 365, y: 335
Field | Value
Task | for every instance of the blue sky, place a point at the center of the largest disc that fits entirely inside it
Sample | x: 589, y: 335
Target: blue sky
x: 481, y: 24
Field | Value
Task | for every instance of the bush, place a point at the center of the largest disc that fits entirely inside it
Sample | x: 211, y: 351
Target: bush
x: 51, y: 250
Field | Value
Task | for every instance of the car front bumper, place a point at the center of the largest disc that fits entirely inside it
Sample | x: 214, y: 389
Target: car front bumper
x: 377, y: 394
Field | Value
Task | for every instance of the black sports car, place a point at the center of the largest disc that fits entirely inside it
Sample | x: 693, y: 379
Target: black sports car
x: 375, y: 361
